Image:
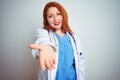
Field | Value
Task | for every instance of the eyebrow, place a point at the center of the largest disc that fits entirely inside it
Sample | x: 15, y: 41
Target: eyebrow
x: 51, y: 14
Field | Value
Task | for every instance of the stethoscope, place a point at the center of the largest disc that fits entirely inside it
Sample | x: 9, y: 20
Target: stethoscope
x: 55, y: 40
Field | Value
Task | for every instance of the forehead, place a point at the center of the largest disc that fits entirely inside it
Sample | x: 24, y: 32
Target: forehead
x: 52, y: 10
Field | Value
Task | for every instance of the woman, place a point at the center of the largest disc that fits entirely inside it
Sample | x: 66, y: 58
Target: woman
x: 57, y: 48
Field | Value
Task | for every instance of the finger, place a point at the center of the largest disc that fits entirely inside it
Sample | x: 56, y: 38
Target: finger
x: 35, y: 46
x: 42, y: 63
x: 51, y: 61
x: 54, y: 61
x: 54, y: 58
x: 48, y: 65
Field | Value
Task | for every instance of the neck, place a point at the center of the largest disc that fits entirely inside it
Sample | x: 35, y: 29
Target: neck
x: 60, y: 33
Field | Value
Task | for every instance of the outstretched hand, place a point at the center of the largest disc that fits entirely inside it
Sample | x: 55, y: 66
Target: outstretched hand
x: 47, y: 56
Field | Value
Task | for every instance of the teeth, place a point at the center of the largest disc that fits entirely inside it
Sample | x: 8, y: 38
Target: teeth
x: 56, y: 23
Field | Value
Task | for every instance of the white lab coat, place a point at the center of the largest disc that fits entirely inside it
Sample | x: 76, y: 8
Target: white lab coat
x: 48, y: 37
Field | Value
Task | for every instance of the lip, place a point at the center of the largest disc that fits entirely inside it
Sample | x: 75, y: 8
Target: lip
x: 56, y: 23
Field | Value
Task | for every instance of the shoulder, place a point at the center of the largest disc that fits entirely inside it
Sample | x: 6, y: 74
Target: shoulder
x: 77, y: 39
x: 74, y: 36
x: 41, y: 32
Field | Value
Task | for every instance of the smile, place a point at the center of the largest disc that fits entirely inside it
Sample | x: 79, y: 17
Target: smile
x: 56, y: 24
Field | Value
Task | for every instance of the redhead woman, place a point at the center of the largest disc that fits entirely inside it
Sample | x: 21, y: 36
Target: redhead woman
x: 57, y: 48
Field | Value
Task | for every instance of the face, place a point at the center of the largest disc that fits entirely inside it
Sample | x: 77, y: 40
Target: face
x: 54, y: 18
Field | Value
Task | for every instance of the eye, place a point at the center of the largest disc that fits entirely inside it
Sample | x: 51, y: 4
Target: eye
x: 50, y: 16
x: 58, y: 13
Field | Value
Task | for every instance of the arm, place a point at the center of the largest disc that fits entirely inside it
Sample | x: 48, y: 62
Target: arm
x: 42, y: 38
x: 43, y: 50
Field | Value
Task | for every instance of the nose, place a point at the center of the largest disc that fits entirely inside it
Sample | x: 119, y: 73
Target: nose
x: 55, y: 18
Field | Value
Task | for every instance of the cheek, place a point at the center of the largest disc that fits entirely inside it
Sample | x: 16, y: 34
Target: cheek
x: 50, y: 21
x: 61, y: 18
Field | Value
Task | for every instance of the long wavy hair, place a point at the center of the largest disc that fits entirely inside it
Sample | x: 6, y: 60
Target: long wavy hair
x: 65, y: 27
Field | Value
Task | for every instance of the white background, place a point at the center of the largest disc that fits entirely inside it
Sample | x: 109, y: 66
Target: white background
x: 96, y: 22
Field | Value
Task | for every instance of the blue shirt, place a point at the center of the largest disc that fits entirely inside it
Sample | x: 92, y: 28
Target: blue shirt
x: 66, y: 64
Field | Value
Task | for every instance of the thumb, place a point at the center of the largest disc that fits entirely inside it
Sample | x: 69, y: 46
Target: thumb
x: 35, y: 46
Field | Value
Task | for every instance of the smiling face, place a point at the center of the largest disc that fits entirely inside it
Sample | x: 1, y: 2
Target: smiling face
x: 54, y: 18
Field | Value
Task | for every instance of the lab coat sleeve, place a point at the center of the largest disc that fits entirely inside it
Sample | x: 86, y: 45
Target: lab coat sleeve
x: 42, y: 38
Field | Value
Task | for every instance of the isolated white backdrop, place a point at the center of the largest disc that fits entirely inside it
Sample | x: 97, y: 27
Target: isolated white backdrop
x: 96, y: 22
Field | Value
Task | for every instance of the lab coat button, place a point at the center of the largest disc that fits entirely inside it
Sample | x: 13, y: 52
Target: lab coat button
x: 80, y: 53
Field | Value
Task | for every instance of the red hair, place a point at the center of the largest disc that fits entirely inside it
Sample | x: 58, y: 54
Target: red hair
x: 65, y: 27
